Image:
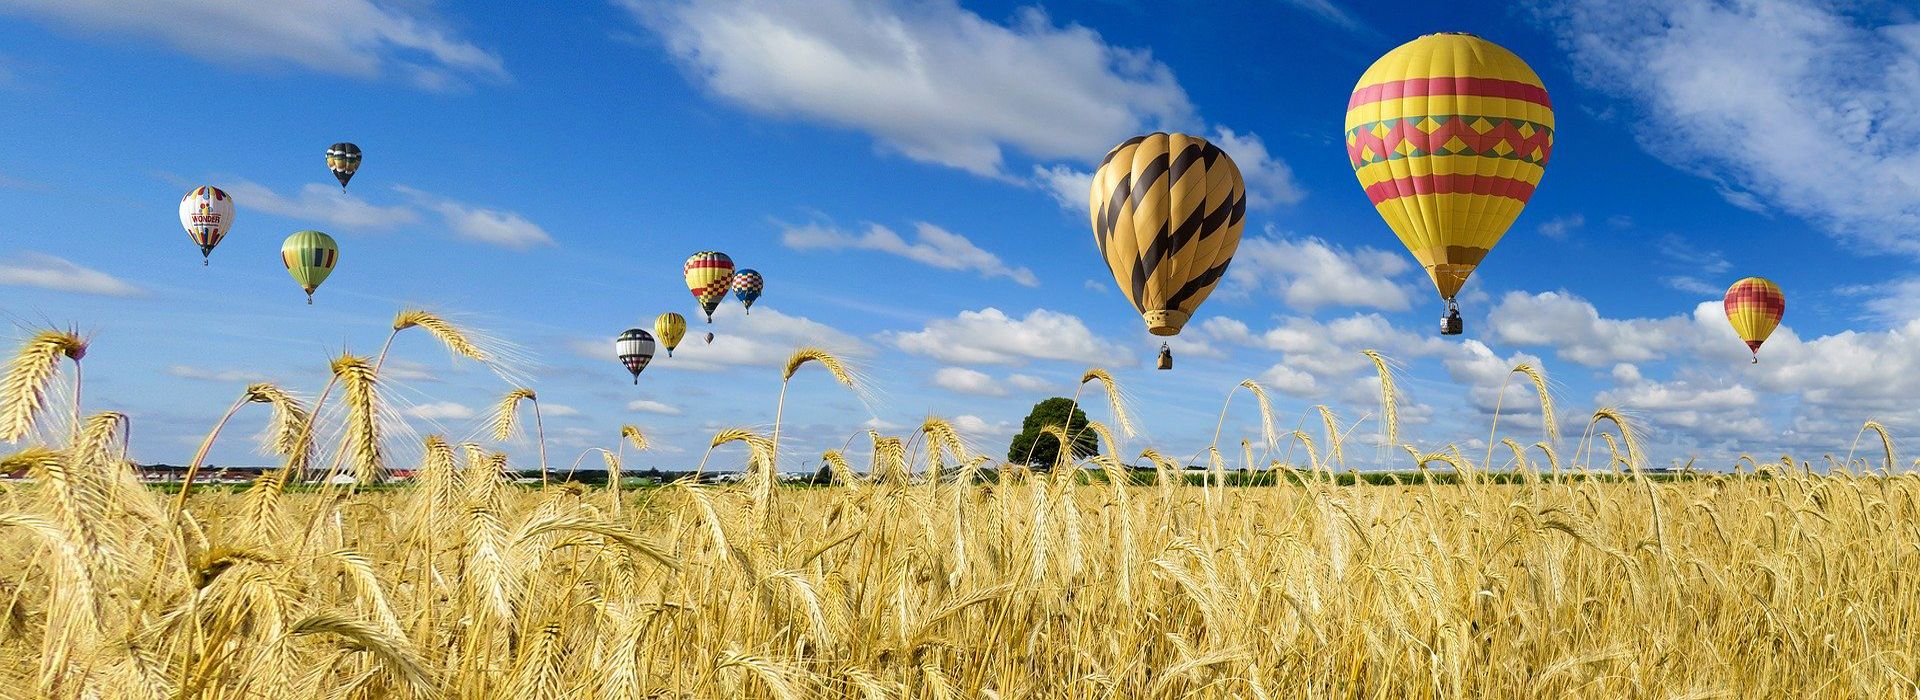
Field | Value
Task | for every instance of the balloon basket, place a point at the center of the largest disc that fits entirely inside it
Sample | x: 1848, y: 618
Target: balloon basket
x: 1166, y: 357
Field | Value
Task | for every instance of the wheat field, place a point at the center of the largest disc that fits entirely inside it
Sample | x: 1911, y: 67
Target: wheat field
x: 936, y: 572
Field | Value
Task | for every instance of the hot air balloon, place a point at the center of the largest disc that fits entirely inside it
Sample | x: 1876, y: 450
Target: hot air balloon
x: 709, y: 275
x: 635, y: 349
x: 1167, y: 210
x: 1754, y: 307
x: 1449, y: 134
x: 670, y: 327
x: 709, y: 337
x: 309, y: 257
x: 747, y: 285
x: 343, y: 158
x: 207, y: 214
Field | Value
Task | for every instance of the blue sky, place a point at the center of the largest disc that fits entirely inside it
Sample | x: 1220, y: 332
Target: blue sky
x: 910, y: 179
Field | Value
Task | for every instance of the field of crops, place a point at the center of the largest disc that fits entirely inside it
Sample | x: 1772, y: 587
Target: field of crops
x: 917, y: 577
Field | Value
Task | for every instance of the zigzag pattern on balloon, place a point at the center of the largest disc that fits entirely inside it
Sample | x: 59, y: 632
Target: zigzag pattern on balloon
x: 1449, y: 135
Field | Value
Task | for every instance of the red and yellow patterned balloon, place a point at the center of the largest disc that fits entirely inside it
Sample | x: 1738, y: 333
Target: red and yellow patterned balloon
x: 709, y: 275
x: 1754, y: 307
x: 1449, y: 134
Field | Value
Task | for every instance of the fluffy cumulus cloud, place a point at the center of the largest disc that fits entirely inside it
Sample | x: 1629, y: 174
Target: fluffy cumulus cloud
x: 223, y: 376
x: 1793, y: 126
x: 61, y: 275
x: 941, y: 84
x: 1310, y: 273
x: 968, y: 381
x: 972, y: 427
x: 991, y: 337
x: 1574, y: 328
x: 1560, y: 227
x: 1269, y: 180
x: 654, y: 407
x: 1804, y: 392
x: 1319, y: 358
x: 932, y: 246
x: 439, y: 411
x: 764, y: 339
x: 480, y: 224
x: 932, y: 80
x: 361, y: 38
x: 322, y: 203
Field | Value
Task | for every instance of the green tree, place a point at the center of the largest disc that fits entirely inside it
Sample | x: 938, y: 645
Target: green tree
x: 1040, y: 451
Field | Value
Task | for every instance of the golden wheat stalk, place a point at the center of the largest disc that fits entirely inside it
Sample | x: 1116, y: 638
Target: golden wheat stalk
x: 23, y: 393
x: 360, y: 390
x: 840, y: 371
x: 634, y: 437
x: 504, y: 424
x: 449, y: 335
x: 1116, y: 401
x: 1389, y: 414
x: 1332, y: 426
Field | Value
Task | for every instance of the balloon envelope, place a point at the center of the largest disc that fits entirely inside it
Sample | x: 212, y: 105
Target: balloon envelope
x: 343, y: 159
x: 1754, y: 306
x: 207, y: 214
x: 309, y: 257
x: 747, y: 285
x: 635, y: 350
x: 670, y: 328
x: 709, y: 275
x: 1167, y: 210
x: 1449, y: 134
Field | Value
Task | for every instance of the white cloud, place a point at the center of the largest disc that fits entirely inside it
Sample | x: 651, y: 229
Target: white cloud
x: 932, y: 246
x: 1310, y: 273
x: 1574, y: 328
x: 765, y: 338
x: 1290, y: 381
x: 967, y: 381
x: 60, y: 275
x: 224, y: 376
x: 482, y: 225
x: 933, y: 81
x: 439, y: 410
x: 1269, y: 180
x: 1691, y: 285
x: 1823, y: 115
x: 1334, y: 14
x: 972, y: 426
x: 402, y: 370
x: 1027, y: 382
x: 1558, y: 228
x: 557, y: 410
x: 1318, y: 357
x: 990, y: 337
x: 322, y: 203
x: 651, y: 406
x: 359, y: 38
x: 1892, y: 302
x: 1070, y: 187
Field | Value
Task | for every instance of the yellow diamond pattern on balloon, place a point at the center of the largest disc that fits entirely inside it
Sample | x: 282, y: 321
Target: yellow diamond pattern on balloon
x: 1454, y: 145
x: 1503, y: 148
x: 1481, y: 125
x: 1426, y: 125
x: 1405, y: 147
x: 1526, y: 130
x: 1367, y: 155
x: 1536, y: 154
x: 1380, y: 130
x: 1352, y: 137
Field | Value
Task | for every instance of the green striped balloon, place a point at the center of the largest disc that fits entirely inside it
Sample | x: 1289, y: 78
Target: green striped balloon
x: 309, y: 257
